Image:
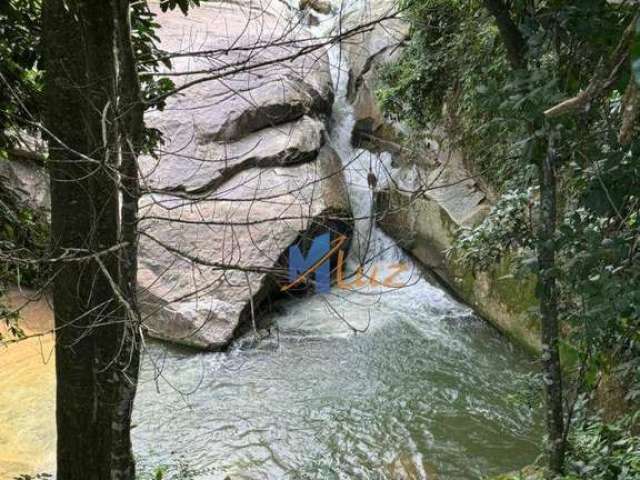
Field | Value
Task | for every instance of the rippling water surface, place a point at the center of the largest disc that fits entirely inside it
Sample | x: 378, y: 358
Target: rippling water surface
x: 426, y: 388
x: 403, y: 384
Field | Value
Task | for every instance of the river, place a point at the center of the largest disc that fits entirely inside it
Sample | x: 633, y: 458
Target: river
x: 367, y: 383
x: 427, y: 388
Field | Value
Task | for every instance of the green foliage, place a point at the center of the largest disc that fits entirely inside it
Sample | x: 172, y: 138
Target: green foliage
x: 598, y: 451
x: 179, y: 469
x: 604, y: 450
x: 150, y: 59
x: 19, y: 67
x: 408, y: 88
x: 600, y: 262
x: 22, y: 231
x: 509, y: 227
x: 455, y: 74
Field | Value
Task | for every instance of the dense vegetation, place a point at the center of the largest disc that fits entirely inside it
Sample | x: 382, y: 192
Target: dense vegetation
x: 462, y: 73
x: 23, y: 231
x: 495, y: 90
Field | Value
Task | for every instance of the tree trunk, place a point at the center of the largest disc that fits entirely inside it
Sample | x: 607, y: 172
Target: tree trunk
x: 96, y: 342
x: 549, y: 311
x: 130, y: 109
x: 511, y: 36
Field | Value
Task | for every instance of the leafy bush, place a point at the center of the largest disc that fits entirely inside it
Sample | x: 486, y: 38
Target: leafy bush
x: 20, y: 68
x: 604, y: 451
x: 454, y: 73
x: 509, y: 227
x: 598, y: 451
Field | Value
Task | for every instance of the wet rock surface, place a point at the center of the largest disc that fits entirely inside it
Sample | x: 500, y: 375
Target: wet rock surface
x: 368, y: 53
x: 425, y: 208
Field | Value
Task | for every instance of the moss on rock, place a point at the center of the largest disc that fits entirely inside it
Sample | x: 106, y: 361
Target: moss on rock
x: 425, y: 229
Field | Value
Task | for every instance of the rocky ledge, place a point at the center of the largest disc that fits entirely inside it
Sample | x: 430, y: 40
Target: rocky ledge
x: 368, y: 53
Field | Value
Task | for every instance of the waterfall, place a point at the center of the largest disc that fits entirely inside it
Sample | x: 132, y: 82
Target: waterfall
x: 364, y: 382
x: 359, y: 382
x: 369, y: 244
x: 370, y: 247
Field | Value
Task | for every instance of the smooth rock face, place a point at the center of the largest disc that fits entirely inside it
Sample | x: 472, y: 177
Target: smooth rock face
x: 368, y: 52
x: 427, y: 224
x: 243, y: 173
x: 244, y: 69
x: 447, y: 199
x: 29, y: 180
x: 209, y: 164
x: 203, y: 264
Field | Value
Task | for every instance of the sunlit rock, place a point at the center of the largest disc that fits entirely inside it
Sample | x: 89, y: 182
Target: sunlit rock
x: 243, y: 173
x: 206, y: 266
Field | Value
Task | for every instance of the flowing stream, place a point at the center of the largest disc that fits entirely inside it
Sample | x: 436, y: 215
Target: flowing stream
x: 361, y: 383
x: 368, y: 382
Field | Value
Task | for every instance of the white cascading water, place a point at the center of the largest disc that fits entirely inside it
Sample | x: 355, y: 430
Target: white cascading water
x: 362, y: 382
x: 369, y: 244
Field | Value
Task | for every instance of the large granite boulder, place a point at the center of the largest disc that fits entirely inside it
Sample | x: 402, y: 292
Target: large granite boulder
x: 244, y: 172
x: 27, y: 176
x: 243, y: 68
x: 206, y: 265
